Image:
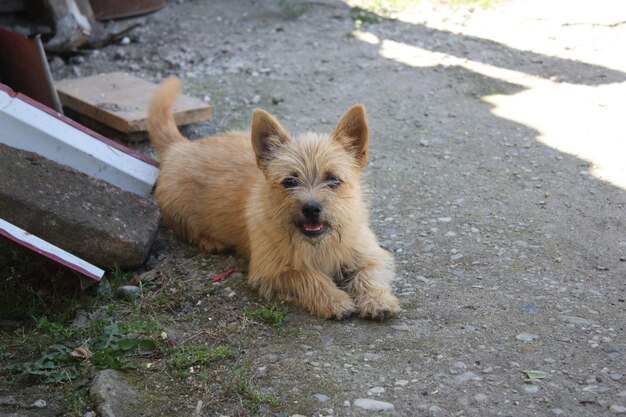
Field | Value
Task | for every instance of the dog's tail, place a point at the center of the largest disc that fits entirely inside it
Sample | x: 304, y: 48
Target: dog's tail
x: 161, y: 125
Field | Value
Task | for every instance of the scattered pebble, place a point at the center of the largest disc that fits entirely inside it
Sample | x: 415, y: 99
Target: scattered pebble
x: 368, y: 356
x: 321, y: 397
x: 531, y: 389
x: 466, y: 377
x: 617, y: 409
x: 39, y: 404
x: 529, y: 308
x: 401, y: 382
x: 375, y: 391
x: 401, y: 327
x: 480, y: 397
x: 526, y: 337
x: 127, y: 292
x: 373, y: 405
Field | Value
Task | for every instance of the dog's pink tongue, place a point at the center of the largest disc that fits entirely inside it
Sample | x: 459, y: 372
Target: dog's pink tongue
x: 313, y: 227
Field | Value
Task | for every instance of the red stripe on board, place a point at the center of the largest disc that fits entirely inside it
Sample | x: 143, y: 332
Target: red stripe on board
x: 48, y: 255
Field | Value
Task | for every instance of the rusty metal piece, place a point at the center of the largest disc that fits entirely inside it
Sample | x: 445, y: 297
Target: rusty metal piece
x: 24, y: 68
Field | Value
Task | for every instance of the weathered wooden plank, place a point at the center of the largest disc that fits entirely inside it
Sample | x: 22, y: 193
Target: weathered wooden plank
x: 121, y: 101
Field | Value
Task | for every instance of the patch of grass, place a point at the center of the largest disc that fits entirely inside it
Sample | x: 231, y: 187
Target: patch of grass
x: 31, y: 285
x: 119, y: 276
x: 250, y: 395
x: 272, y: 313
x: 198, y: 355
x: 104, y: 344
x: 77, y: 401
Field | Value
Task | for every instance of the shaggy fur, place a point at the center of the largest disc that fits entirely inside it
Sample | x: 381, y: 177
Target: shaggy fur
x: 292, y: 205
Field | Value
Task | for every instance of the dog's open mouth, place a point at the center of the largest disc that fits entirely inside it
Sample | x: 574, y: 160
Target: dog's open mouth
x: 312, y: 229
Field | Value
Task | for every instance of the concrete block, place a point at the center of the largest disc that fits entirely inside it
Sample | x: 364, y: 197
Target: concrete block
x: 85, y: 216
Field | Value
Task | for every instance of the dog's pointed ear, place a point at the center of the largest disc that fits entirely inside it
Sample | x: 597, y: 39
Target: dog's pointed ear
x: 266, y: 134
x: 353, y: 134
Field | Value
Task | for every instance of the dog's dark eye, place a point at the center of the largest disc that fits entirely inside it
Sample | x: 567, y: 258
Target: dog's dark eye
x: 332, y: 181
x: 290, y: 182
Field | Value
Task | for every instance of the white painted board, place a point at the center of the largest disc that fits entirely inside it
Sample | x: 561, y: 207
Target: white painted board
x: 28, y: 125
x: 42, y: 247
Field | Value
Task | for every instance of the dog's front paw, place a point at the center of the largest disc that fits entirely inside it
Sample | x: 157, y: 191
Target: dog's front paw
x: 339, y: 307
x: 378, y: 308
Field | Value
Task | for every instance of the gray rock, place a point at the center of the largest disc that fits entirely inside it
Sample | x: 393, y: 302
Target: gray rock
x: 368, y: 356
x: 39, y: 404
x: 577, y: 320
x: 529, y: 308
x: 373, y: 405
x: 112, y: 395
x: 466, y: 377
x: 321, y: 397
x: 375, y: 391
x: 401, y: 327
x: 526, y: 337
x: 617, y: 409
x: 128, y: 292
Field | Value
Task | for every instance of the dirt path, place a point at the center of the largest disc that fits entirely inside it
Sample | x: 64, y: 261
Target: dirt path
x: 496, y: 177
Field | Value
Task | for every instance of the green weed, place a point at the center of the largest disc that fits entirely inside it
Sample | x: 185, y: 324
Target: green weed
x: 272, y: 313
x: 198, y: 355
x: 250, y: 395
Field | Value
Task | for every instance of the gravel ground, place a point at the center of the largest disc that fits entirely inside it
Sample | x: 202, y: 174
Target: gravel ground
x: 496, y: 178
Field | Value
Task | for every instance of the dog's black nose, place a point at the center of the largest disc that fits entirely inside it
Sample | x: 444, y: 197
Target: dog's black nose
x: 312, y: 210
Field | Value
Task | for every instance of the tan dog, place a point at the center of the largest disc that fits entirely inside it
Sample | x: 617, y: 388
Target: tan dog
x: 293, y: 206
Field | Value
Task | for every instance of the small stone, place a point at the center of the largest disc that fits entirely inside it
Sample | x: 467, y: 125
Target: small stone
x: 235, y: 275
x: 526, y: 337
x: 617, y: 409
x: 368, y: 356
x: 125, y: 40
x: 376, y: 390
x: 557, y: 411
x: 531, y: 389
x: 321, y: 397
x: 466, y: 377
x: 128, y: 292
x: 256, y: 99
x: 401, y: 327
x: 346, y: 403
x: 326, y: 340
x: 90, y: 414
x: 615, y: 376
x: 444, y: 219
x: 39, y: 404
x: 373, y: 405
x: 450, y: 234
x: 576, y: 320
x: 401, y: 382
x: 480, y: 397
x: 529, y: 308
